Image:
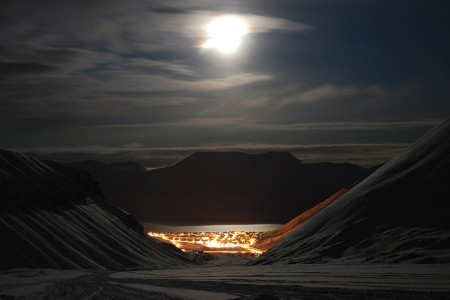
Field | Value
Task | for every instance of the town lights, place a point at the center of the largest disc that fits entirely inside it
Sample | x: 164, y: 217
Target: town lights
x: 228, y: 242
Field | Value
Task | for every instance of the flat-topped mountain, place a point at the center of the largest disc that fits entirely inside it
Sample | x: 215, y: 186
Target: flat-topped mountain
x: 53, y: 216
x: 221, y: 188
x: 239, y: 161
x: 400, y: 213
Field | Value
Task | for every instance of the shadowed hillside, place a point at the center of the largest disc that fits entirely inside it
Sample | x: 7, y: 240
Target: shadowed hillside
x: 56, y: 217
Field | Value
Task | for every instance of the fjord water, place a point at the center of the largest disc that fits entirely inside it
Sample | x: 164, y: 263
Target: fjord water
x: 211, y: 228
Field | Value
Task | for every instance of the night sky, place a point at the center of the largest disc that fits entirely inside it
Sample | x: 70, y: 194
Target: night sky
x: 352, y: 80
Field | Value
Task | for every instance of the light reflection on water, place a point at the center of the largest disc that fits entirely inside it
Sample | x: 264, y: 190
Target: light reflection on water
x: 211, y: 228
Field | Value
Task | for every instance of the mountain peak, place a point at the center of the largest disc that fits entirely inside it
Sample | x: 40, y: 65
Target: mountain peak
x: 237, y: 158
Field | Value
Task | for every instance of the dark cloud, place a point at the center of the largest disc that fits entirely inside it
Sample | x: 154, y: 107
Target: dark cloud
x: 24, y: 68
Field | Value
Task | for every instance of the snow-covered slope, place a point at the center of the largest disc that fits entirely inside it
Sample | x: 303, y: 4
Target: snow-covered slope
x: 401, y: 213
x: 55, y: 217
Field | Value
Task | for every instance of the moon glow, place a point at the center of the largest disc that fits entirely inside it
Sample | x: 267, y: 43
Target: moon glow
x: 225, y: 34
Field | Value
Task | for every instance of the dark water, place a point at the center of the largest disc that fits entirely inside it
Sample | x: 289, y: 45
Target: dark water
x: 211, y: 228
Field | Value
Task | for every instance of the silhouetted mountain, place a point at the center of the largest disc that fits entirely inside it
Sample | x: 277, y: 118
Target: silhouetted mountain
x: 127, y: 165
x: 341, y: 174
x: 401, y: 213
x: 52, y: 216
x: 220, y: 187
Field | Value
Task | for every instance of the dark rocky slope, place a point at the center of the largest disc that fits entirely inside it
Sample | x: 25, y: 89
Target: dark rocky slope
x: 56, y: 217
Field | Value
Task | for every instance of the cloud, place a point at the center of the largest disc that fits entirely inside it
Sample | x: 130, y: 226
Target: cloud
x: 133, y: 145
x: 24, y: 68
x: 30, y: 59
x: 194, y: 22
x: 21, y: 51
x: 237, y: 123
x: 171, y: 69
x: 124, y: 27
x: 266, y: 24
x: 330, y: 91
x: 303, y: 102
x: 124, y: 82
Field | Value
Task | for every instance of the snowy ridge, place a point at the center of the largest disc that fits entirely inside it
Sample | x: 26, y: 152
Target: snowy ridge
x: 401, y: 213
x: 55, y: 217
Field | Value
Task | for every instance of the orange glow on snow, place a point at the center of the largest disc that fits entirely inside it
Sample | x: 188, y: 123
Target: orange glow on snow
x: 224, y: 242
x: 269, y: 239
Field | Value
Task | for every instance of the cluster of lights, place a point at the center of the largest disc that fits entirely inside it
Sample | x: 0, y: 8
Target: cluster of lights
x: 228, y: 242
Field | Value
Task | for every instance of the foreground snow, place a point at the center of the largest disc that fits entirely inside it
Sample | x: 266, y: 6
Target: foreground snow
x: 318, y: 281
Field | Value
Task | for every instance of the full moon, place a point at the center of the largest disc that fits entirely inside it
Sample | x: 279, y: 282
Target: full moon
x: 225, y: 34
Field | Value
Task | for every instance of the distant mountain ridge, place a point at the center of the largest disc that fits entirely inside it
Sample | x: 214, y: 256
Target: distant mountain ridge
x: 127, y: 165
x: 53, y: 216
x: 400, y: 213
x: 222, y: 187
x: 341, y: 174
